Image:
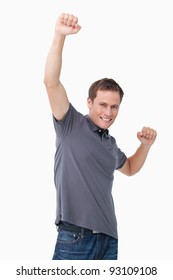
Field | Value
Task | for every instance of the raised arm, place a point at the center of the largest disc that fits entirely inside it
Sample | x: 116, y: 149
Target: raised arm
x: 66, y: 25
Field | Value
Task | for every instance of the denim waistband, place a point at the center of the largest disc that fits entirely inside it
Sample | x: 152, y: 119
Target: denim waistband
x: 73, y: 228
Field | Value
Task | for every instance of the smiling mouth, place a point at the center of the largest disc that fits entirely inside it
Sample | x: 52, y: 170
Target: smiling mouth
x: 105, y: 119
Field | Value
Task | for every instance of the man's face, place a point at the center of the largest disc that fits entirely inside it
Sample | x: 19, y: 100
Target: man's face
x: 103, y: 110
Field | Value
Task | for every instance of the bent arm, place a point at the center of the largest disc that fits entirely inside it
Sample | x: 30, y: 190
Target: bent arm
x: 134, y: 163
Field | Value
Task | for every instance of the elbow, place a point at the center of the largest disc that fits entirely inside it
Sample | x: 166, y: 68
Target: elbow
x: 51, y: 80
x: 47, y: 82
x: 129, y: 173
x: 130, y: 170
x: 132, y: 173
x: 50, y: 84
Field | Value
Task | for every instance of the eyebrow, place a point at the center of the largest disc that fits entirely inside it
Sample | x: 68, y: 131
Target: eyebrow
x: 102, y: 102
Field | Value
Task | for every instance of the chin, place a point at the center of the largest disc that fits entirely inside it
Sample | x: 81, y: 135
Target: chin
x: 105, y: 125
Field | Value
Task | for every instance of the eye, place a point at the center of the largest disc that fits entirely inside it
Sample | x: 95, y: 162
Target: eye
x: 102, y: 104
x: 116, y: 107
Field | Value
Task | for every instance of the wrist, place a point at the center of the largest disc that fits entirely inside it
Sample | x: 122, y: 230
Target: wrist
x: 145, y: 146
x: 58, y: 36
x: 58, y: 41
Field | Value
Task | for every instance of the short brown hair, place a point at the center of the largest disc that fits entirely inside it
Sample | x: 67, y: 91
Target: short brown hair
x: 104, y: 84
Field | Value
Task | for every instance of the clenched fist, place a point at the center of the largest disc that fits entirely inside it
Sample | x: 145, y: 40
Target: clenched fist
x: 147, y: 135
x: 67, y: 24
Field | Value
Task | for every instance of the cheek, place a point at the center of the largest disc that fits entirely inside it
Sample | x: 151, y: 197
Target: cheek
x: 114, y: 114
x: 95, y: 111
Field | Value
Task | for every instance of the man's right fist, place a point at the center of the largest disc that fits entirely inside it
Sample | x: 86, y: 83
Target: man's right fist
x: 67, y: 24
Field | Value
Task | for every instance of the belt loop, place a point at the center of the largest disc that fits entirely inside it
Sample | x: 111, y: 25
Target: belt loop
x: 82, y: 232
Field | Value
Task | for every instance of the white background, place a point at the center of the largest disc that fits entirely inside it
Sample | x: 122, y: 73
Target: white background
x: 130, y: 41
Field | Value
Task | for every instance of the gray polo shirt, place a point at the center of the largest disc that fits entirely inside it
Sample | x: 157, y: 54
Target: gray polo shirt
x: 85, y: 161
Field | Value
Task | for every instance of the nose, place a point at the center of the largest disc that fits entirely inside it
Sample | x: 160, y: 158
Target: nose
x: 108, y: 111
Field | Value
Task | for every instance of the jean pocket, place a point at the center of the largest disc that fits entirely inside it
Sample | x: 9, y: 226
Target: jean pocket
x: 67, y: 237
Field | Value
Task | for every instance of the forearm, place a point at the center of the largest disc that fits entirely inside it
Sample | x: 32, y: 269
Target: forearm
x: 137, y: 160
x: 54, y: 61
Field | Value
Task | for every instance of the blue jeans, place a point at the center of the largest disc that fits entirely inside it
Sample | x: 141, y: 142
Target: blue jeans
x: 74, y: 246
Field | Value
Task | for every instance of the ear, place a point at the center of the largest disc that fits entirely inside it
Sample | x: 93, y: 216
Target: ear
x: 89, y: 103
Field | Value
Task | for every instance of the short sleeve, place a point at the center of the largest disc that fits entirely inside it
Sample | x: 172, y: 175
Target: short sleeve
x: 71, y: 120
x: 121, y: 159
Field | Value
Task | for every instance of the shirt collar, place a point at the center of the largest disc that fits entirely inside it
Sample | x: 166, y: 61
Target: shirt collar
x: 96, y: 128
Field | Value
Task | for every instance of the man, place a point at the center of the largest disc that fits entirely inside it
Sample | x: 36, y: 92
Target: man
x: 85, y: 160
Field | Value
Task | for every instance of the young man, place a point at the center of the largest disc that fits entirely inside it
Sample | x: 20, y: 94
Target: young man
x: 85, y: 160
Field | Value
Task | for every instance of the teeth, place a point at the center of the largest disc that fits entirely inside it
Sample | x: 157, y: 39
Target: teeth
x: 106, y: 120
